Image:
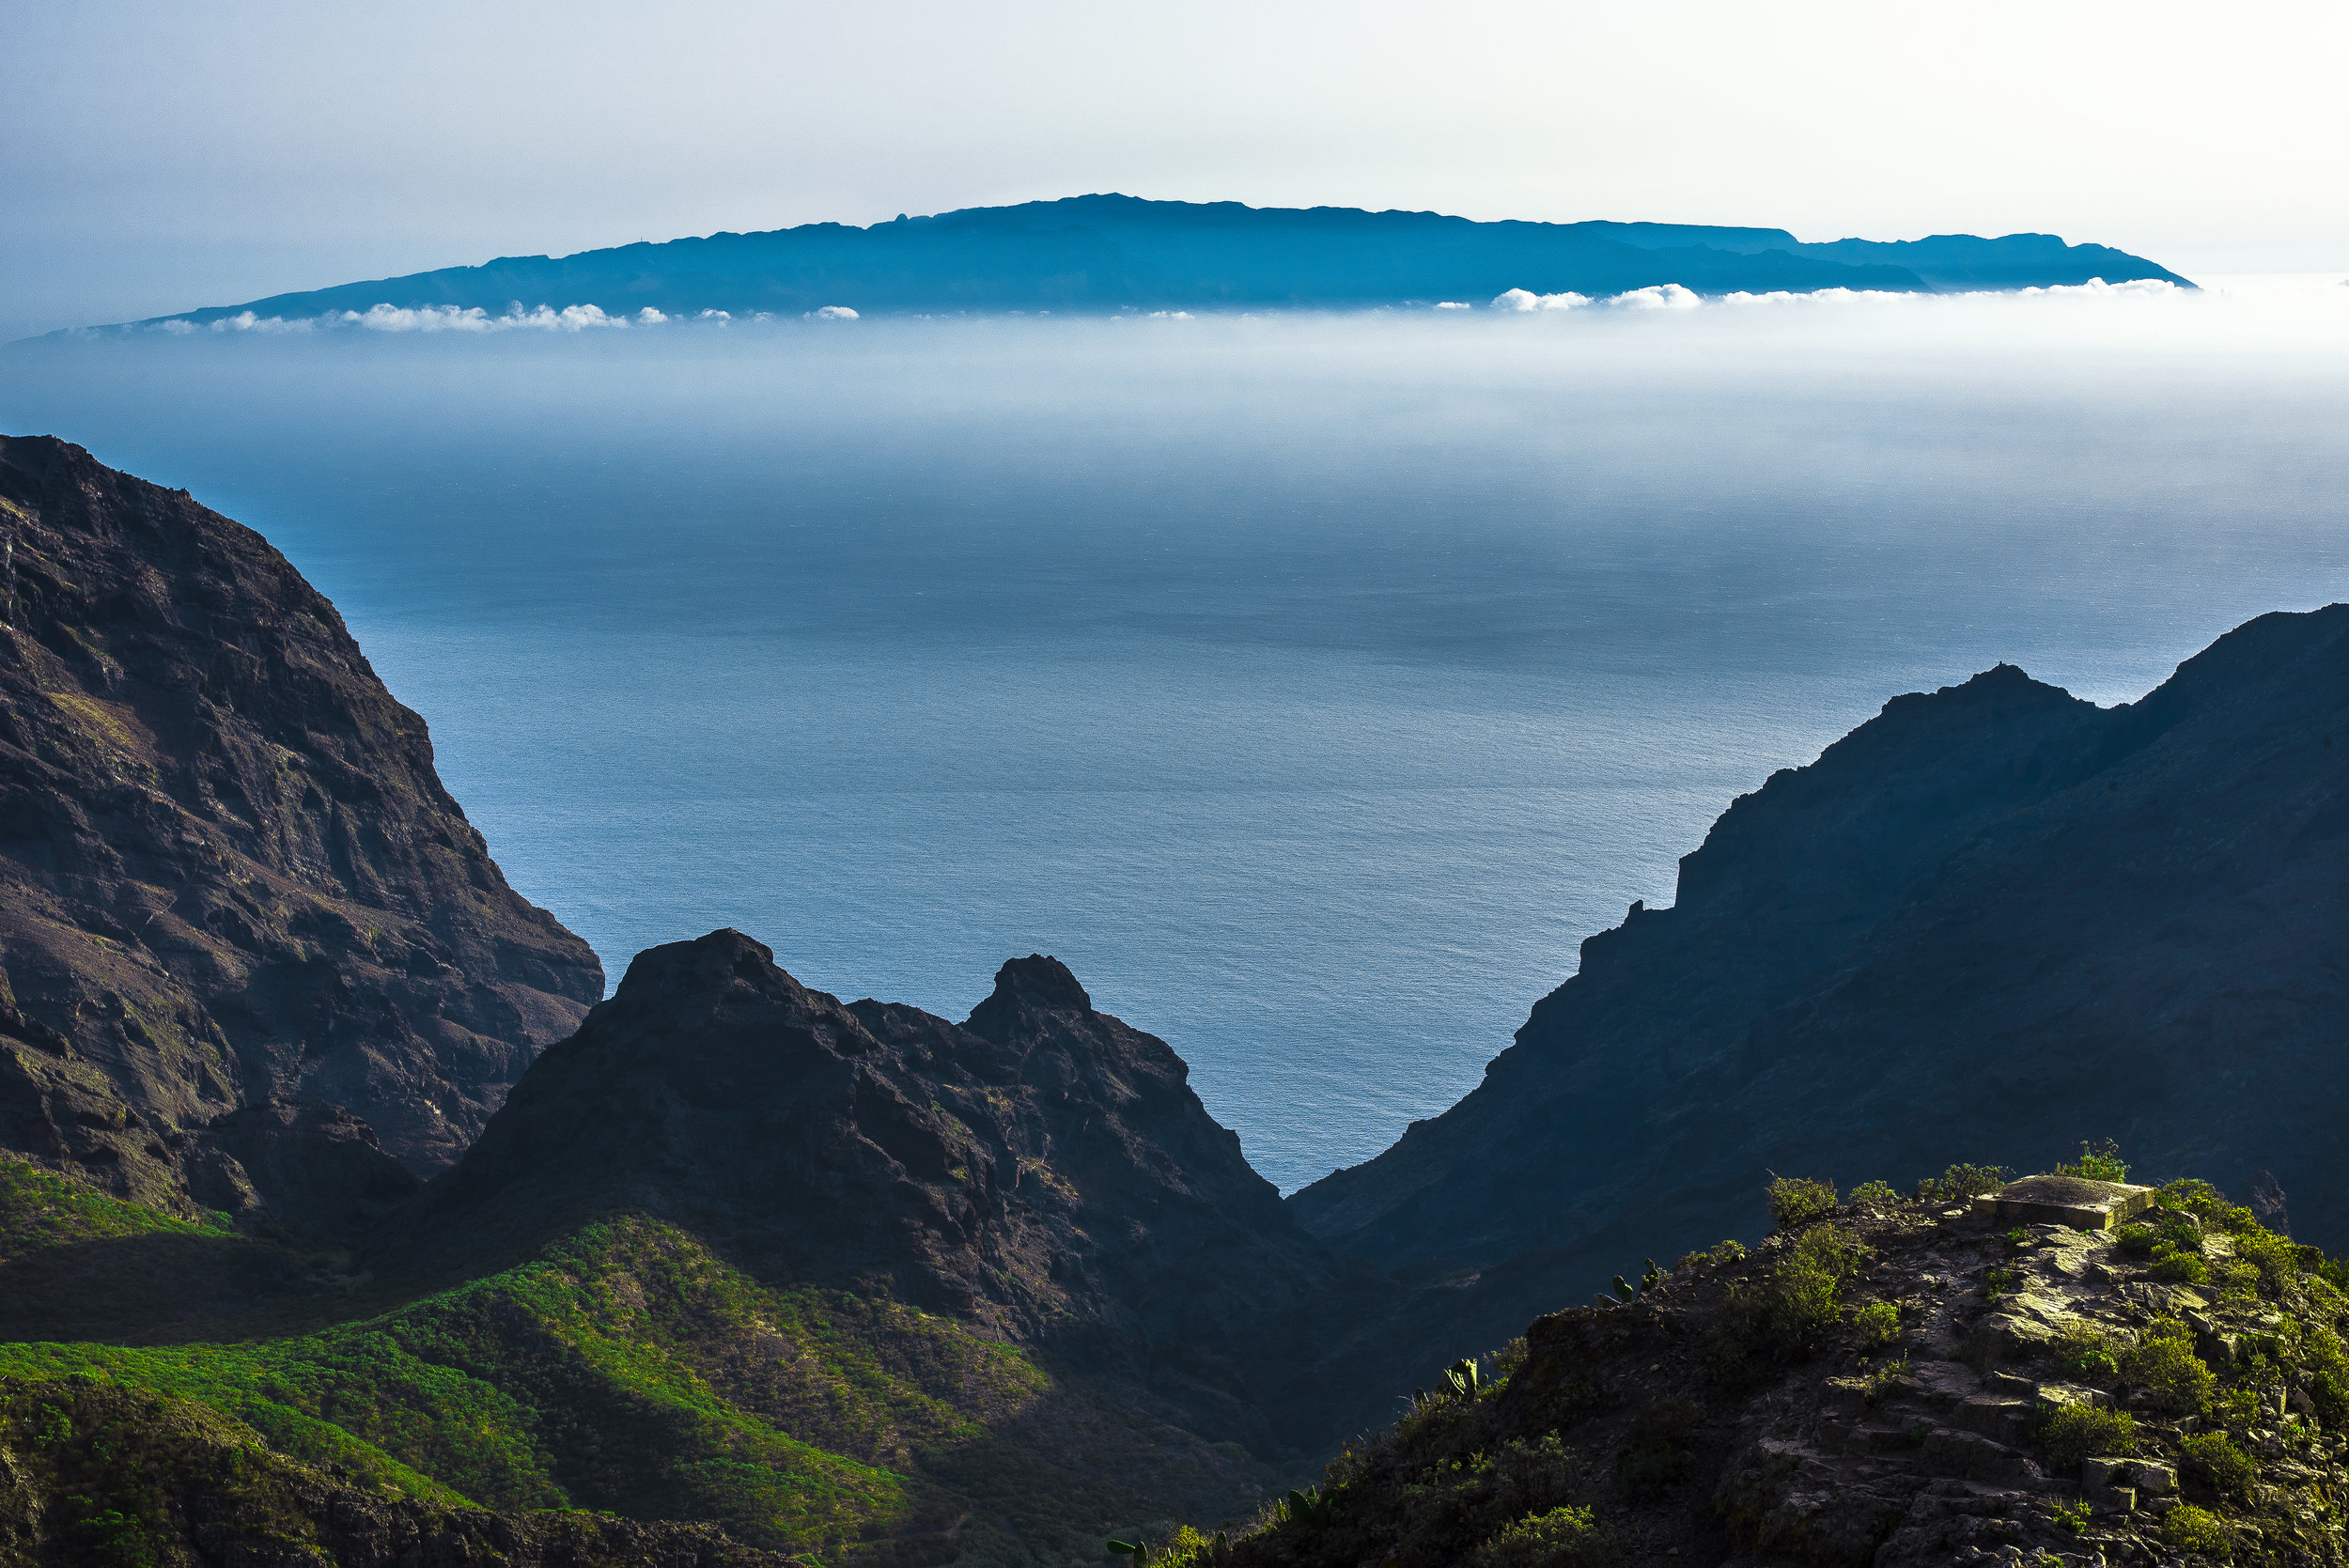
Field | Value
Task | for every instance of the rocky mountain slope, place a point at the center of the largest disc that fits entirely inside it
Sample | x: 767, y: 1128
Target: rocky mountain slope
x: 229, y: 874
x: 1890, y: 1383
x: 848, y: 1279
x: 1993, y: 912
x: 1041, y: 1171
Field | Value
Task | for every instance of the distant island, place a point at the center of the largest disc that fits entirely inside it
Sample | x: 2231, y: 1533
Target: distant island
x: 1109, y: 253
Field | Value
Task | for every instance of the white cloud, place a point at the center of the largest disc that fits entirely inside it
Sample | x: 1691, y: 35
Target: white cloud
x: 717, y: 316
x: 1452, y: 305
x: 1525, y: 301
x: 2136, y: 288
x: 1661, y: 296
x: 245, y: 321
x: 440, y: 318
x: 1170, y: 316
x: 832, y: 313
x: 650, y: 317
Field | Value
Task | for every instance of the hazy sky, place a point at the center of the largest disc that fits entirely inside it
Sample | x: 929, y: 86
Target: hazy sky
x: 164, y: 154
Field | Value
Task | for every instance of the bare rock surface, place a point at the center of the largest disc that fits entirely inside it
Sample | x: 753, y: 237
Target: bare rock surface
x: 228, y: 872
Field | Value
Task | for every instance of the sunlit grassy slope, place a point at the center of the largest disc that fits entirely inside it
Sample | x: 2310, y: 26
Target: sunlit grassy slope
x: 630, y: 1368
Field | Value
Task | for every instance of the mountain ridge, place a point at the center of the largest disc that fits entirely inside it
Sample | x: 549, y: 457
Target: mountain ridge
x: 1991, y: 907
x: 1108, y: 252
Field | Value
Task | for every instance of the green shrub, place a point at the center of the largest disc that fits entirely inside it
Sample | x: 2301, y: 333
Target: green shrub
x: 2227, y: 1468
x: 1787, y: 1312
x: 2000, y: 1282
x: 1796, y: 1202
x: 1561, y: 1538
x: 1874, y: 1198
x: 2099, y: 1161
x: 2188, y: 1268
x: 2198, y: 1529
x: 2135, y: 1240
x: 2073, y: 1516
x: 1726, y: 1252
x: 1961, y: 1182
x: 2163, y: 1362
x: 1879, y: 1324
x: 2276, y: 1260
x: 2237, y: 1409
x: 2086, y: 1354
x: 2234, y: 1281
x: 2193, y: 1195
x: 2075, y: 1431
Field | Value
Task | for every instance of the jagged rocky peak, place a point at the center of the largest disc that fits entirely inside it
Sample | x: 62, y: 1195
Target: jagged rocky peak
x: 229, y: 874
x: 1045, y: 1170
x: 1023, y: 987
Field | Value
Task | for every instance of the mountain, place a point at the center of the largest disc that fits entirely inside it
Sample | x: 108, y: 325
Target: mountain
x: 843, y: 1279
x: 232, y: 888
x: 1105, y: 253
x: 1995, y: 916
x: 1041, y: 1171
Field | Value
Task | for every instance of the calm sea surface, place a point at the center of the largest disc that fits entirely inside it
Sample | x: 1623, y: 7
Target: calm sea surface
x: 1312, y: 685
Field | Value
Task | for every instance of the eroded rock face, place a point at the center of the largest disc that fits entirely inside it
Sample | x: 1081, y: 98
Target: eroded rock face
x: 1042, y: 1169
x: 228, y: 872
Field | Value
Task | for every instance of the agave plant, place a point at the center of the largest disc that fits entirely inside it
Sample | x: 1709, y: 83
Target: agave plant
x: 1313, y: 1507
x: 1465, y: 1379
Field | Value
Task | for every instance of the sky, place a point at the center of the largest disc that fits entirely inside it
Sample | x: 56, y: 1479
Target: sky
x: 161, y: 155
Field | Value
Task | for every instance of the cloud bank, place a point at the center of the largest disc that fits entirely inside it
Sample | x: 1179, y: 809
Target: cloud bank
x: 1517, y: 301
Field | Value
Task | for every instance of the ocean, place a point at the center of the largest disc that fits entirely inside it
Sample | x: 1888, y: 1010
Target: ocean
x: 1311, y: 684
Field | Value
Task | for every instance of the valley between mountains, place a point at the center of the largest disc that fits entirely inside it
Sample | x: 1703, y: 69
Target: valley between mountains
x: 344, y: 1217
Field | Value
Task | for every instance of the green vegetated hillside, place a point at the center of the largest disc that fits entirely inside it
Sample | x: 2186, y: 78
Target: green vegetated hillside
x: 1884, y: 1381
x: 629, y: 1369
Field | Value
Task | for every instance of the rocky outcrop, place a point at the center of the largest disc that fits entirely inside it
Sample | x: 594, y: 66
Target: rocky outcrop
x: 1906, y: 1386
x: 1995, y: 917
x: 1043, y: 1169
x: 228, y: 873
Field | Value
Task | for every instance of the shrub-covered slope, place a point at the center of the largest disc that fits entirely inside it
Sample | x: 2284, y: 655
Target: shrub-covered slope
x: 1895, y: 1383
x: 1994, y: 913
x: 228, y: 873
x: 100, y: 1475
x: 627, y: 1367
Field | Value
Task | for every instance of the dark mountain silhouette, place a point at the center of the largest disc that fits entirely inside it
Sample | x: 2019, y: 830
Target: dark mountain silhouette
x: 229, y: 875
x: 1102, y: 252
x: 1994, y: 920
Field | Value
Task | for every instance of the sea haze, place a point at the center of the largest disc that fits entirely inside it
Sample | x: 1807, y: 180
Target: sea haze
x: 1311, y: 684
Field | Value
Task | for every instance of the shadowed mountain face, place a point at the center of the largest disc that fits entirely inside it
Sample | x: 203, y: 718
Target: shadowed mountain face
x: 1108, y: 252
x: 1042, y: 1171
x: 1993, y: 921
x: 229, y: 875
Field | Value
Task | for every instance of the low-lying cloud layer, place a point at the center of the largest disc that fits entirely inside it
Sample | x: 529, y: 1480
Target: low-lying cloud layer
x: 1517, y: 301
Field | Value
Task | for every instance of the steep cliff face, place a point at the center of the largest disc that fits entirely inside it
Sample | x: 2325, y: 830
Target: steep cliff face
x: 228, y: 873
x: 1043, y: 1171
x: 1993, y: 918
